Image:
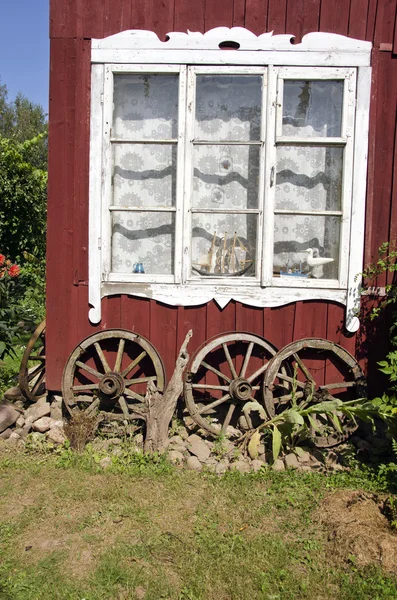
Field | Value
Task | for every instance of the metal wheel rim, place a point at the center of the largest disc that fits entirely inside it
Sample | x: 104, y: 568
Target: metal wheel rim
x: 197, y: 360
x: 357, y: 382
x: 123, y: 399
x: 30, y: 383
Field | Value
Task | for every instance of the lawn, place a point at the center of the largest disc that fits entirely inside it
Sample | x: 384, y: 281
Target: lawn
x: 144, y: 529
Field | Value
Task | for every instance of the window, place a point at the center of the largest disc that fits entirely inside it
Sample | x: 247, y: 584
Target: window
x: 228, y: 174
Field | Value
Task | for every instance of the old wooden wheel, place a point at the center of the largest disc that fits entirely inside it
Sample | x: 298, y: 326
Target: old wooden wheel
x: 32, y: 369
x: 108, y: 372
x: 314, y: 370
x: 226, y: 374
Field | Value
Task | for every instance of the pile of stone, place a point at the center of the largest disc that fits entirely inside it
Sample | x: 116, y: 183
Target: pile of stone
x: 18, y: 419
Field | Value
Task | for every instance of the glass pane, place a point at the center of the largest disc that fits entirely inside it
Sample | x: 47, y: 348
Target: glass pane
x: 295, y: 234
x: 228, y: 107
x: 144, y: 175
x: 145, y: 106
x: 226, y: 177
x: 309, y: 178
x: 224, y: 245
x: 312, y: 108
x: 146, y: 239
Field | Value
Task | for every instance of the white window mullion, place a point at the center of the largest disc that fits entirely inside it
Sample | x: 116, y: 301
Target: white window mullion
x: 188, y: 171
x: 107, y: 173
x: 270, y: 176
x: 180, y: 173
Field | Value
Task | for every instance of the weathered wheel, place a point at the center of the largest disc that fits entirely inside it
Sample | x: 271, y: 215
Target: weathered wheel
x: 225, y: 375
x: 313, y: 370
x: 32, y: 369
x: 108, y: 372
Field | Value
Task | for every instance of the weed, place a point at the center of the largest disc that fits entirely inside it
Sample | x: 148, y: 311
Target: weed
x: 81, y: 429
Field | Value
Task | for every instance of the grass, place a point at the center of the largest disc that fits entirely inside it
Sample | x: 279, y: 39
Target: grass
x: 142, y: 529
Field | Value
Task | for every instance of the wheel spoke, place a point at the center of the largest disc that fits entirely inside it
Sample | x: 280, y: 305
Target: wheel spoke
x: 133, y: 364
x: 129, y: 382
x: 85, y: 367
x: 284, y: 377
x: 213, y: 370
x: 335, y: 386
x: 303, y: 367
x: 124, y: 407
x: 214, y: 404
x: 288, y: 397
x: 33, y: 374
x: 229, y: 361
x: 261, y: 370
x: 207, y: 386
x: 92, y: 406
x: 38, y: 357
x: 246, y: 359
x: 82, y: 388
x: 119, y: 357
x: 134, y: 395
x: 102, y: 358
x: 38, y: 382
x: 228, y: 417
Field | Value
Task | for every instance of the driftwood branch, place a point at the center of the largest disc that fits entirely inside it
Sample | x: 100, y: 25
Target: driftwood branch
x: 160, y: 407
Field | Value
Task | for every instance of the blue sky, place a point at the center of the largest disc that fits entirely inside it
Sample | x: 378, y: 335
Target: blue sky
x: 24, y: 49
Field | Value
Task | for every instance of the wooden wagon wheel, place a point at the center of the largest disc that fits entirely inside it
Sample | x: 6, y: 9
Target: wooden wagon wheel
x: 226, y: 374
x: 323, y: 371
x: 108, y: 372
x: 32, y: 369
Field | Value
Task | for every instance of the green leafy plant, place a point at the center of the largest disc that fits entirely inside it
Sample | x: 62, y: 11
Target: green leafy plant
x: 8, y: 312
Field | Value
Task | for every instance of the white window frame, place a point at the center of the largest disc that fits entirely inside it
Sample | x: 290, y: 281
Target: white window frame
x: 277, y: 59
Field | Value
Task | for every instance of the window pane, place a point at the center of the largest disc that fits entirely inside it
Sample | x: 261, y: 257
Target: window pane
x: 145, y: 106
x: 309, y: 178
x: 312, y: 108
x: 144, y: 175
x: 146, y: 238
x: 226, y: 177
x: 228, y: 107
x: 293, y: 234
x: 224, y: 244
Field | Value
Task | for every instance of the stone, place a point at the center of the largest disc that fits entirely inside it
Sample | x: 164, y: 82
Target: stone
x: 261, y: 449
x: 194, y: 464
x: 232, y: 432
x: 42, y: 400
x: 175, y: 457
x: 291, y: 462
x: 20, y: 422
x: 316, y: 455
x: 178, y: 447
x: 14, y: 436
x: 221, y: 467
x: 278, y: 465
x: 176, y: 440
x: 26, y: 428
x: 256, y: 465
x: 117, y: 451
x: 184, y: 434
x: 242, y: 423
x: 19, y: 405
x: 138, y: 440
x: 56, y: 435
x: 198, y: 447
x: 263, y: 459
x: 241, y: 466
x: 56, y: 410
x: 37, y: 411
x: 13, y: 393
x: 8, y: 416
x: 105, y: 462
x: 4, y: 435
x: 42, y: 425
x: 304, y: 458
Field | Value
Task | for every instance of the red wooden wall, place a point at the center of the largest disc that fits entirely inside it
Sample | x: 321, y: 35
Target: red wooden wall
x: 73, y: 24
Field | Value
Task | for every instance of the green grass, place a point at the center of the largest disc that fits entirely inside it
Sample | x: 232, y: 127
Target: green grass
x: 143, y: 529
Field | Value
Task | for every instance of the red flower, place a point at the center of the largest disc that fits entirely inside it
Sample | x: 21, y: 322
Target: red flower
x: 14, y: 271
x: 2, y: 259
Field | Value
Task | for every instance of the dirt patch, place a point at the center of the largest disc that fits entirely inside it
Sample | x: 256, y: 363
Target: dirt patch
x: 357, y: 529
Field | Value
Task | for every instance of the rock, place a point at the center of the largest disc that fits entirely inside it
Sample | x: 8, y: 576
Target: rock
x: 42, y: 400
x: 4, y: 435
x: 278, y: 465
x: 241, y: 466
x: 138, y: 440
x: 263, y: 459
x: 56, y: 435
x: 8, y: 416
x: 184, y: 434
x: 37, y: 411
x: 42, y: 425
x: 117, y: 451
x: 194, y: 464
x: 176, y: 440
x: 316, y: 455
x: 13, y: 393
x: 115, y: 441
x: 221, y: 467
x: 14, y: 436
x: 179, y: 448
x: 198, y: 447
x: 175, y: 457
x: 20, y: 422
x: 56, y: 410
x: 261, y: 449
x: 232, y: 432
x: 256, y: 465
x: 189, y: 422
x: 26, y: 428
x: 242, y: 423
x: 105, y: 462
x: 19, y: 405
x: 291, y: 462
x: 304, y: 458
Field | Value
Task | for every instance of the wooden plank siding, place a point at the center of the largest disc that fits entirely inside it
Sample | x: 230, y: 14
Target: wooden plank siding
x: 72, y: 25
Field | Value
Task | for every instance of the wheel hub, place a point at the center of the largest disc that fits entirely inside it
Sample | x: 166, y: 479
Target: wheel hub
x: 111, y: 386
x: 240, y: 389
